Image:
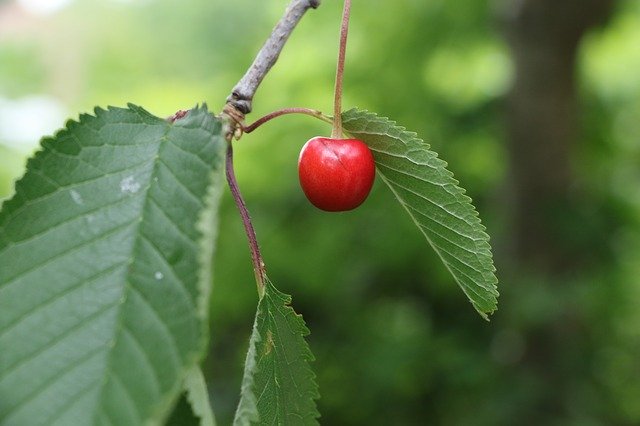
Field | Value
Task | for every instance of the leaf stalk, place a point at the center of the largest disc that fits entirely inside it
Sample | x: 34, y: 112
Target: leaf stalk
x: 256, y: 257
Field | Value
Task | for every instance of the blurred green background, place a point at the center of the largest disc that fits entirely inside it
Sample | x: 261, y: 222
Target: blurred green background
x: 535, y: 104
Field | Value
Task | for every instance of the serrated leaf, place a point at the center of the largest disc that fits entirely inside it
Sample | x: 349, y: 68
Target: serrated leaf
x: 198, y: 396
x: 432, y: 197
x: 278, y: 387
x: 103, y: 276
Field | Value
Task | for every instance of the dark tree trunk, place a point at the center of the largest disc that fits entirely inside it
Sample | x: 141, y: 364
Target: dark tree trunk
x: 543, y: 131
x: 542, y: 126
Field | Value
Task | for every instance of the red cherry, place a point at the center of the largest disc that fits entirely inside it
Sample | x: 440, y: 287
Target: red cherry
x: 336, y: 174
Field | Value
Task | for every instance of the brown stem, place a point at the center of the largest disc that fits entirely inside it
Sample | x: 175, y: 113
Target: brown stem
x: 312, y: 112
x: 242, y: 94
x: 256, y: 257
x: 342, y: 51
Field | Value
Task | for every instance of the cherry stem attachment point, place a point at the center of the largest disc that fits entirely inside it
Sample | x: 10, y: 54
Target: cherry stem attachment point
x: 306, y: 111
x: 336, y: 132
x: 256, y: 256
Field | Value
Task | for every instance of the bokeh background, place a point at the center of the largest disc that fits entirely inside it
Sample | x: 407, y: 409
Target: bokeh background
x: 535, y: 104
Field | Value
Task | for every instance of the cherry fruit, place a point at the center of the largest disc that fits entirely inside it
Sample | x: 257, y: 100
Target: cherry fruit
x: 336, y: 174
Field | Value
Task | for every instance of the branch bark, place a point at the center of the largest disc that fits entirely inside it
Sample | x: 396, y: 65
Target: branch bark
x: 242, y: 95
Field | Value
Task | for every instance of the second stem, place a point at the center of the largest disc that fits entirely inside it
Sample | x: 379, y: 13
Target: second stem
x: 256, y: 256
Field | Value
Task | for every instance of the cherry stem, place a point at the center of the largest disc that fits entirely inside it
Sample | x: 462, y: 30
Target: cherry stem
x: 256, y: 257
x: 336, y: 132
x: 306, y: 111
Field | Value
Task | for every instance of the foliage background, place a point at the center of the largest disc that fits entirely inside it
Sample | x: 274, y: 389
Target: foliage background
x: 395, y: 340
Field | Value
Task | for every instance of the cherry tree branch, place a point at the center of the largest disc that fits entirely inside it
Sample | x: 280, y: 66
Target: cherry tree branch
x: 242, y: 95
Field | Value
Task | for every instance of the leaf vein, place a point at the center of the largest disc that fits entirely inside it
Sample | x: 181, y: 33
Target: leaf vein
x: 171, y: 268
x: 128, y: 397
x: 57, y: 256
x: 175, y: 176
x: 30, y: 201
x: 72, y: 366
x: 65, y: 292
x: 57, y: 339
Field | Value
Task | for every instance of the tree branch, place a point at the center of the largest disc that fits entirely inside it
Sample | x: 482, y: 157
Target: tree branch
x: 242, y: 94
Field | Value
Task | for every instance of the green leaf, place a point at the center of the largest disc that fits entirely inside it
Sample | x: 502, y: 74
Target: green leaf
x: 198, y: 396
x: 104, y: 268
x: 432, y: 197
x: 278, y: 387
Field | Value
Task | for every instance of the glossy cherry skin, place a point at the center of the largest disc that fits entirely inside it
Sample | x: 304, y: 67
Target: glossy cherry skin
x: 336, y: 174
